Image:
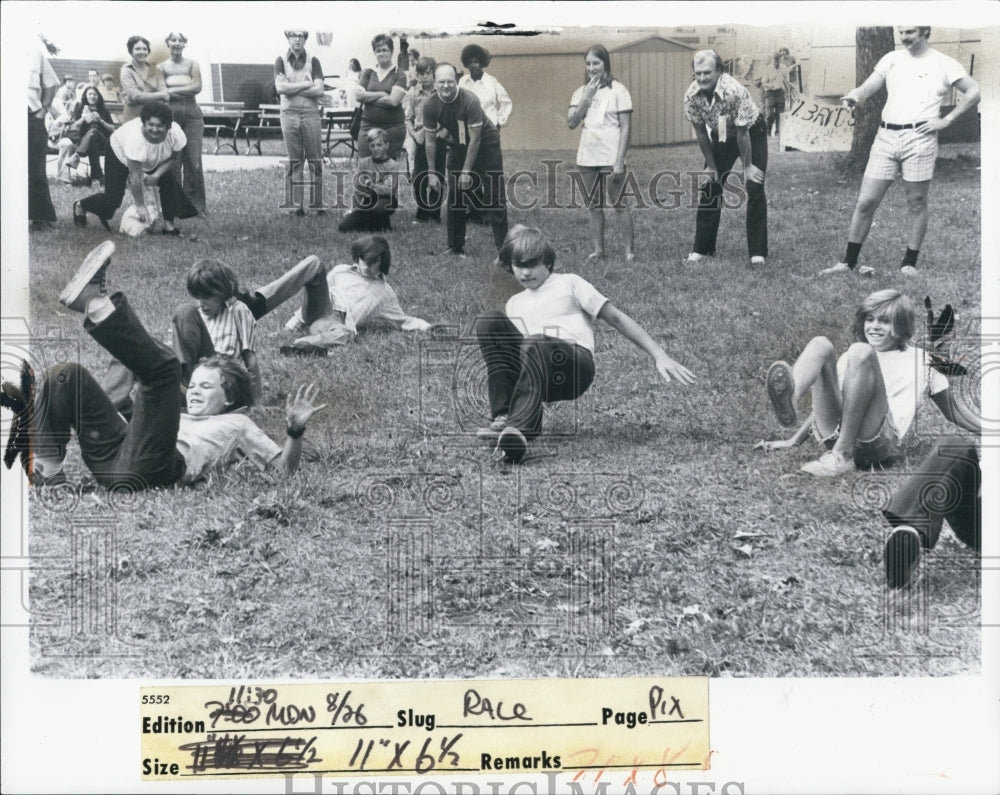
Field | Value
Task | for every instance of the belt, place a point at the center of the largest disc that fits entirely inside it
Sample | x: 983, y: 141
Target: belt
x: 888, y: 126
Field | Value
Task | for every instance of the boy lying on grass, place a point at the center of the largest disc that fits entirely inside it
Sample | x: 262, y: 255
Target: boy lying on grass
x: 864, y: 402
x: 540, y: 349
x: 159, y: 446
x: 335, y: 303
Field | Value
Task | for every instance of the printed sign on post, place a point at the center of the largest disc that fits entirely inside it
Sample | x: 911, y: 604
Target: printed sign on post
x: 817, y: 125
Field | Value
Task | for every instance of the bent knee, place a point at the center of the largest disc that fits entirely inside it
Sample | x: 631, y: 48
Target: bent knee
x: 821, y: 345
x: 860, y: 352
x: 489, y: 323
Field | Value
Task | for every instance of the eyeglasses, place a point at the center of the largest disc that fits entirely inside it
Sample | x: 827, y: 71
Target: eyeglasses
x: 297, y: 35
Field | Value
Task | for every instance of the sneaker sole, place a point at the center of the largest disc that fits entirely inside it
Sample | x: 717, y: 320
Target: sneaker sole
x: 780, y: 386
x: 902, y: 555
x: 513, y: 445
x: 488, y: 435
x: 92, y: 264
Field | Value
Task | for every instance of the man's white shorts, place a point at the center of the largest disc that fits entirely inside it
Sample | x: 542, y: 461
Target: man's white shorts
x: 912, y: 151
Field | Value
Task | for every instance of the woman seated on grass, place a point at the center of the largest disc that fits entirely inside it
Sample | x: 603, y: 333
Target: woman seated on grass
x: 335, y: 303
x: 159, y: 446
x: 540, y: 349
x: 864, y: 402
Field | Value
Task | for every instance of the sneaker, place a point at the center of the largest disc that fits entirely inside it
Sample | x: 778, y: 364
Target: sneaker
x: 840, y: 267
x: 828, y: 465
x: 866, y: 270
x: 303, y: 350
x: 758, y: 261
x: 908, y: 270
x: 512, y: 444
x: 694, y: 258
x: 780, y: 388
x: 456, y: 252
x: 491, y: 433
x: 89, y: 280
x: 902, y: 556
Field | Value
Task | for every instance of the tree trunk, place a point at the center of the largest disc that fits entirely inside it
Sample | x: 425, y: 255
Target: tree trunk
x: 872, y: 44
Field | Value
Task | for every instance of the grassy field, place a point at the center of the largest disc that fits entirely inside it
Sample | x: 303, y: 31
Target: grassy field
x: 645, y: 535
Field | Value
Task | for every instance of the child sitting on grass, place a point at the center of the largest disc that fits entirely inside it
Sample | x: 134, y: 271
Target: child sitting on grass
x: 864, y: 402
x: 335, y: 303
x: 159, y: 446
x: 375, y: 185
x: 540, y: 349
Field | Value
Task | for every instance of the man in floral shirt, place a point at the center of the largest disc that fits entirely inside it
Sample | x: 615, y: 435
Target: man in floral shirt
x: 728, y: 125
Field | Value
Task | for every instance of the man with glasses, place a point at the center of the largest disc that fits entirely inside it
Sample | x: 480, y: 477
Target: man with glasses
x: 454, y: 118
x: 298, y: 80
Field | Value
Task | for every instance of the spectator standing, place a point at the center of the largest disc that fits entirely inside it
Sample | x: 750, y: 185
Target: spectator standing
x: 454, y: 118
x: 428, y: 199
x: 108, y: 88
x: 917, y: 79
x: 775, y: 82
x: 492, y: 96
x: 42, y: 86
x: 183, y: 79
x: 381, y: 95
x: 298, y: 79
x: 728, y: 126
x: 604, y: 106
x: 141, y: 82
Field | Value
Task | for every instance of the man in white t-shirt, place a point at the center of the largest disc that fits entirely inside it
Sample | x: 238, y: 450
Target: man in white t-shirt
x: 917, y: 79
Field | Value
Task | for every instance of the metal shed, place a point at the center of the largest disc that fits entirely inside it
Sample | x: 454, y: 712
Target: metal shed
x: 541, y: 73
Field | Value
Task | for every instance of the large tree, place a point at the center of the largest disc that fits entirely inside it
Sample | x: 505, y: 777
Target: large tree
x: 872, y: 44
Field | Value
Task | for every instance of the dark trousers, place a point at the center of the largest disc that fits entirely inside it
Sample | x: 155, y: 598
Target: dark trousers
x: 360, y: 220
x: 488, y: 192
x: 774, y: 104
x: 946, y: 486
x: 39, y: 201
x: 524, y: 372
x: 190, y: 339
x: 137, y: 454
x: 428, y: 200
x: 188, y: 170
x: 93, y: 144
x: 173, y: 201
x: 709, y: 207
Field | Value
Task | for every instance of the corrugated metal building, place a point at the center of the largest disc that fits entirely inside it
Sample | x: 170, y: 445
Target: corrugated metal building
x: 541, y: 73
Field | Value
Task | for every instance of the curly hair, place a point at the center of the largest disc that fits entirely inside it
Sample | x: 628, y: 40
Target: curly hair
x: 472, y: 52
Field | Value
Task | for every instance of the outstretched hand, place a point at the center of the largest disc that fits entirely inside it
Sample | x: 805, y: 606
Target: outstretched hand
x: 670, y: 369
x: 777, y: 444
x: 299, y: 410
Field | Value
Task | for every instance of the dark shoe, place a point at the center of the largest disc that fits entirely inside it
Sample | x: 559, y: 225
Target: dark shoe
x: 513, y: 445
x: 299, y: 212
x: 89, y: 280
x: 303, y: 350
x: 104, y: 222
x: 902, y: 556
x: 491, y: 433
x: 456, y: 252
x: 780, y: 386
x: 175, y: 232
x: 79, y: 215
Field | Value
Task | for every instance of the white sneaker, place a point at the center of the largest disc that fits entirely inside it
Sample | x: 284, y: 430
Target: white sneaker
x: 693, y: 258
x: 89, y: 280
x: 866, y: 270
x: 840, y: 267
x: 908, y: 270
x: 756, y: 261
x: 828, y: 465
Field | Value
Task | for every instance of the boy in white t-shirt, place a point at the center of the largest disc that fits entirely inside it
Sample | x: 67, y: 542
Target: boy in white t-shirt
x: 864, y: 402
x: 540, y: 349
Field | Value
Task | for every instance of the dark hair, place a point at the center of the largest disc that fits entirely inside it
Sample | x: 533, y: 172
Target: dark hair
x: 370, y: 246
x: 526, y: 246
x: 159, y: 110
x: 381, y: 38
x: 98, y: 106
x: 133, y: 40
x: 781, y: 52
x: 925, y: 31
x: 207, y: 278
x: 897, y: 306
x: 474, y: 51
x: 601, y: 52
x: 354, y: 65
x: 235, y: 380
x: 425, y: 65
x: 720, y: 65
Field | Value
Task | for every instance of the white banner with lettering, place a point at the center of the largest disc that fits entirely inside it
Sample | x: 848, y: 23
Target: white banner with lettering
x: 813, y: 124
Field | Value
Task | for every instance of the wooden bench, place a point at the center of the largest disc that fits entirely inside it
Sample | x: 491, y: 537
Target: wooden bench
x: 223, y: 119
x: 338, y: 131
x: 265, y: 118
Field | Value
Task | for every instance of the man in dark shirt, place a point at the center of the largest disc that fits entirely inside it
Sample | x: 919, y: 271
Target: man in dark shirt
x: 454, y: 118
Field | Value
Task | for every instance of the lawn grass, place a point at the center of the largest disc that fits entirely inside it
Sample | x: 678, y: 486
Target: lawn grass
x: 645, y: 535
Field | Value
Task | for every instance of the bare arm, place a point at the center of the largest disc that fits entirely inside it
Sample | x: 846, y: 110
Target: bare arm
x: 957, y: 412
x: 297, y: 413
x: 578, y: 112
x: 858, y: 95
x: 625, y: 124
x: 794, y: 441
x: 968, y: 100
x: 391, y: 100
x: 135, y: 178
x: 632, y: 331
x: 472, y: 150
x: 191, y: 89
x: 753, y: 174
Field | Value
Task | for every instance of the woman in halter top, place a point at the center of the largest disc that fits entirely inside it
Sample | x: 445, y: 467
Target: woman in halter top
x: 183, y: 81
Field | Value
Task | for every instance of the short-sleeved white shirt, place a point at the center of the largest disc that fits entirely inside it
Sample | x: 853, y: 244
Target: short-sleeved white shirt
x: 916, y: 85
x: 128, y: 143
x: 564, y: 306
x: 907, y: 376
x: 210, y: 443
x: 601, y: 126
